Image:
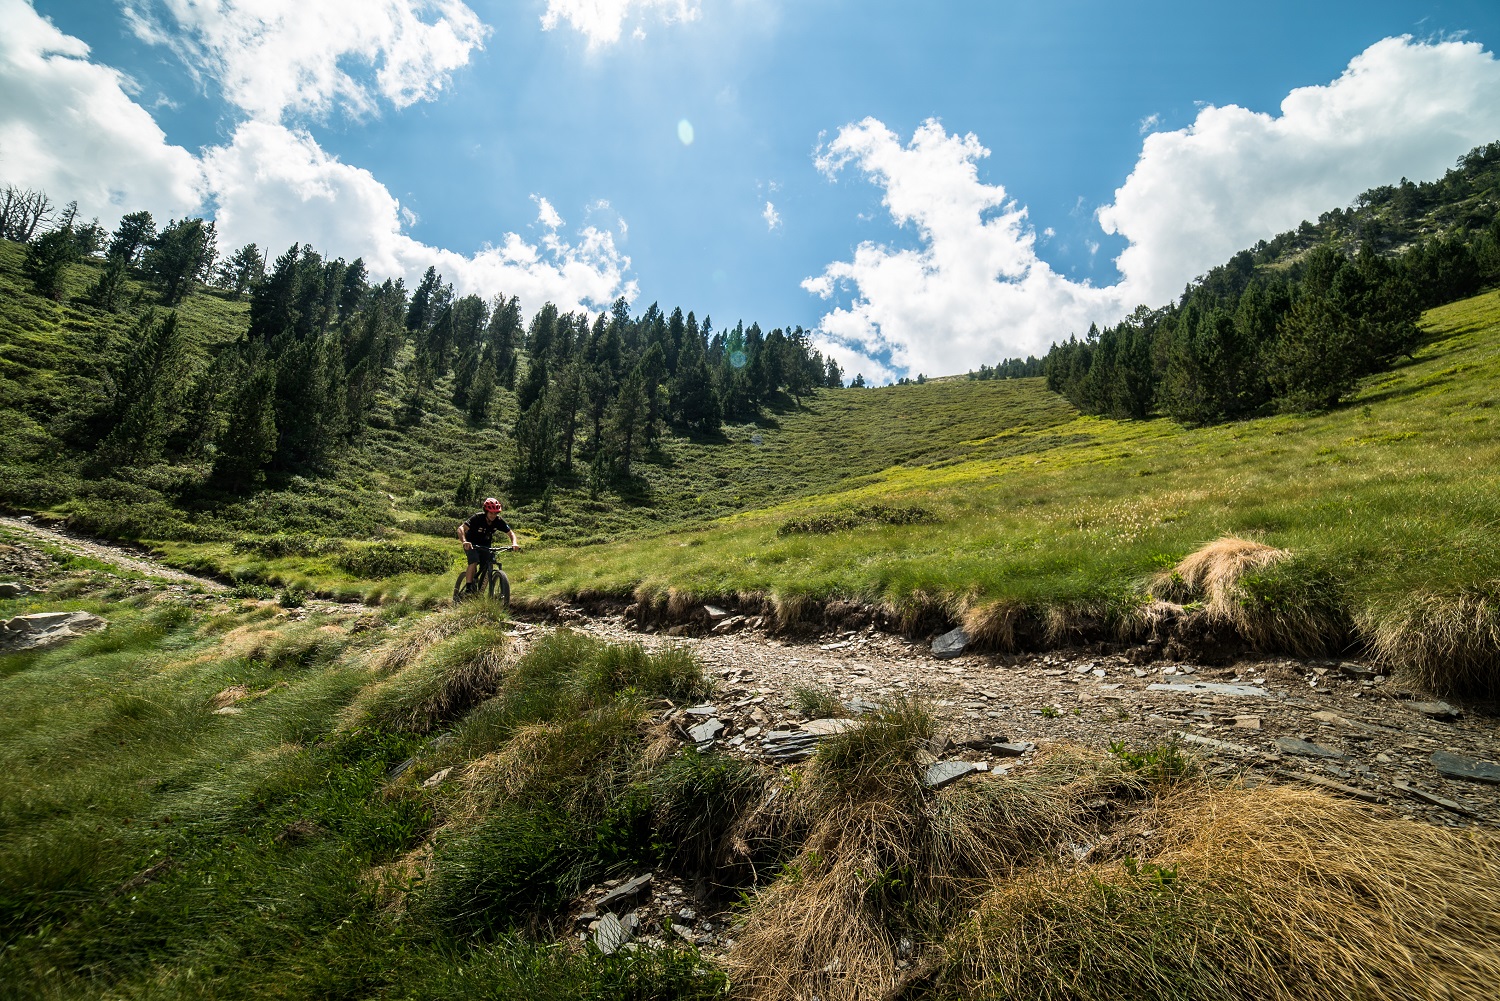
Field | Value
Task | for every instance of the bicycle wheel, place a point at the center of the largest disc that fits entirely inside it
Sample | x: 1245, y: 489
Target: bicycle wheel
x: 504, y: 582
x: 458, y: 589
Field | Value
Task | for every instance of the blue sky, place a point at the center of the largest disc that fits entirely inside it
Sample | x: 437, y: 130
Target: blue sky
x: 527, y: 126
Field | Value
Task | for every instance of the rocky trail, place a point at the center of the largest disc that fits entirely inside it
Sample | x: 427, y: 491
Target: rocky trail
x: 1336, y: 724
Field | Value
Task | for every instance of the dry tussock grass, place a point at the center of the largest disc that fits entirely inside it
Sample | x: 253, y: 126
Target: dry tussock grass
x: 1272, y: 893
x: 1212, y: 574
x: 995, y: 626
x: 1301, y: 614
x: 883, y: 858
x: 1444, y: 643
x: 574, y: 764
x: 426, y: 632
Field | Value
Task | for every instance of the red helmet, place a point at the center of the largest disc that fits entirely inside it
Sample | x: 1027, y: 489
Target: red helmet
x: 491, y: 506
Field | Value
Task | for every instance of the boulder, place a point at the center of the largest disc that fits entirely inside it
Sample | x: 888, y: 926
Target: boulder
x: 13, y: 589
x: 950, y: 644
x: 44, y: 629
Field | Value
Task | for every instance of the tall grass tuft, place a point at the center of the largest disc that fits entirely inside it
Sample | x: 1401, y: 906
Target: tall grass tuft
x: 1275, y: 893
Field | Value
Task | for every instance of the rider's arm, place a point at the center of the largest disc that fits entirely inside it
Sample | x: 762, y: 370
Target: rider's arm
x: 514, y: 544
x: 463, y: 534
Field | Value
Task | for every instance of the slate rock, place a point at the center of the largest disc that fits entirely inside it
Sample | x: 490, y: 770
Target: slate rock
x: 624, y: 895
x: 13, y: 589
x: 1012, y: 749
x: 715, y: 613
x: 1306, y: 748
x: 610, y: 935
x: 706, y: 731
x: 1212, y: 688
x: 825, y: 727
x: 1437, y: 710
x: 950, y: 644
x: 730, y: 624
x: 1434, y: 799
x: 1459, y: 766
x: 43, y: 629
x: 941, y: 773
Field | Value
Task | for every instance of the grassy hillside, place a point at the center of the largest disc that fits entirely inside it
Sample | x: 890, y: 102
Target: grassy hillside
x: 1011, y: 512
x: 1041, y: 517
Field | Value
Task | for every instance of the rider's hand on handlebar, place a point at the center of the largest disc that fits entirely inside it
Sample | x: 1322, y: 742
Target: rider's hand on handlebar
x: 468, y: 545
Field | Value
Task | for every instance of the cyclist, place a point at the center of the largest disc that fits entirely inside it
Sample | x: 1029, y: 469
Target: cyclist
x: 479, y: 531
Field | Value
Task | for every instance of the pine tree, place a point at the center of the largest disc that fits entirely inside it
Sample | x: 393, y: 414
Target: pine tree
x: 134, y: 234
x: 628, y: 419
x: 240, y: 270
x: 47, y: 259
x: 146, y: 390
x: 181, y: 256
x: 249, y: 437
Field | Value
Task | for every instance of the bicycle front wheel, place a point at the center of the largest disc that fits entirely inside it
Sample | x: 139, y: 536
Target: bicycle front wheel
x: 458, y: 588
x: 500, y: 582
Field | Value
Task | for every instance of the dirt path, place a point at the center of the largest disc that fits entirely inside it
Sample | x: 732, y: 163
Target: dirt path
x: 1334, y: 724
x: 121, y: 555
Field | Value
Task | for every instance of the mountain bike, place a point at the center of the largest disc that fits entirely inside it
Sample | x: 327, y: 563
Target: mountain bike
x: 487, y: 579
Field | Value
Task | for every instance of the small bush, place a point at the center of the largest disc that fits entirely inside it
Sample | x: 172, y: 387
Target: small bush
x: 1163, y: 763
x: 388, y: 559
x: 872, y: 514
x: 292, y: 597
x: 277, y: 546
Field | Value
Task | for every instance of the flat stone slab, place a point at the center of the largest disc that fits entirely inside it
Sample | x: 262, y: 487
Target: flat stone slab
x: 941, y: 773
x: 701, y: 711
x: 42, y: 629
x: 1437, y: 710
x: 610, y: 935
x: 1306, y: 748
x: 714, y: 612
x: 1435, y: 800
x: 624, y: 894
x: 826, y: 727
x: 1212, y: 688
x: 13, y: 589
x: 1459, y: 766
x: 706, y: 731
x: 950, y: 644
x: 1012, y: 749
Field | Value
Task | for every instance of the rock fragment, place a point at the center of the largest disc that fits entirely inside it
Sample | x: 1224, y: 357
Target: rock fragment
x: 1306, y: 748
x: 1425, y: 796
x: 625, y: 895
x: 44, y: 629
x: 950, y: 644
x: 1437, y: 710
x: 610, y: 935
x: 1211, y: 688
x: 941, y: 773
x: 1459, y: 766
x: 706, y: 731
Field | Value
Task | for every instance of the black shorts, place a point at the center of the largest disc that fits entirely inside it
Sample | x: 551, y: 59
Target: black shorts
x: 481, y: 557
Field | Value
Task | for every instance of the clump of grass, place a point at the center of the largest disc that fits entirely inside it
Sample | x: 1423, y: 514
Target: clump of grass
x: 280, y: 545
x: 1441, y: 642
x: 445, y: 681
x: 697, y: 798
x: 883, y: 858
x: 1251, y: 894
x: 612, y: 668
x: 512, y: 867
x: 1273, y: 600
x: 1164, y: 763
x: 818, y: 703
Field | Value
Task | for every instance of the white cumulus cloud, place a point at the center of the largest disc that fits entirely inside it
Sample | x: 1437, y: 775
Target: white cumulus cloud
x: 974, y: 289
x: 271, y: 57
x: 1401, y: 108
x: 771, y: 216
x: 974, y: 285
x: 68, y: 127
x: 600, y: 21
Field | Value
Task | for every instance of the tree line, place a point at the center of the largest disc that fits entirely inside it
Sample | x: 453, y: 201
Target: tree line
x: 593, y: 393
x: 1293, y: 324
